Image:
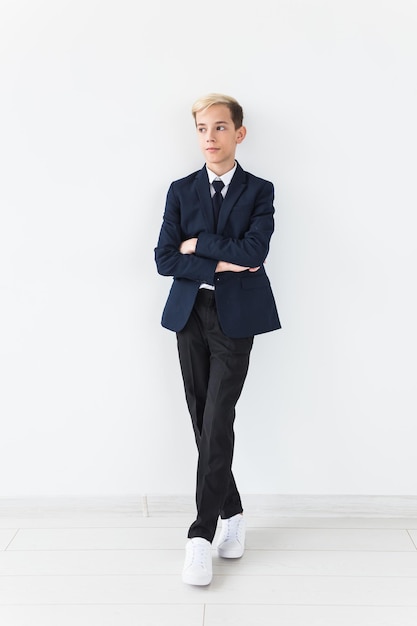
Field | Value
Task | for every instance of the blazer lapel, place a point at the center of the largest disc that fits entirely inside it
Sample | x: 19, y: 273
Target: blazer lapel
x: 203, y: 192
x: 237, y: 186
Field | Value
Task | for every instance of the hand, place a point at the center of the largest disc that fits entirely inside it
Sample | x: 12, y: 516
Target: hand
x: 188, y: 246
x: 223, y: 266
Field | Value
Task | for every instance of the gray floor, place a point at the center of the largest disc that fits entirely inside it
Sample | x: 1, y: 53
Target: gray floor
x: 99, y: 566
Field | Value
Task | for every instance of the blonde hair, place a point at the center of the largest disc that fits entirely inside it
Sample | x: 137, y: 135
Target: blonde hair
x: 203, y: 103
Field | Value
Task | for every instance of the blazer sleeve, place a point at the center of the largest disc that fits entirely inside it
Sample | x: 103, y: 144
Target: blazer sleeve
x: 251, y: 249
x: 168, y: 258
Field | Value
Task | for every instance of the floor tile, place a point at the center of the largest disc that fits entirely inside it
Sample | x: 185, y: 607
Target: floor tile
x: 91, y: 562
x: 319, y: 563
x: 105, y: 615
x: 174, y: 538
x: 98, y: 539
x: 6, y: 536
x: 169, y: 562
x: 329, y: 522
x: 91, y: 565
x: 282, y: 590
x: 328, y: 539
x: 244, y: 615
x: 413, y: 535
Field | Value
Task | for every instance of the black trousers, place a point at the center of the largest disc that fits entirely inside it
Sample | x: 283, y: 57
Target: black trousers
x: 214, y: 369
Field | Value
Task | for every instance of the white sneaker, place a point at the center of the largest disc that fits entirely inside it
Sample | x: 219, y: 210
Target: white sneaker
x: 231, y: 544
x: 197, y: 567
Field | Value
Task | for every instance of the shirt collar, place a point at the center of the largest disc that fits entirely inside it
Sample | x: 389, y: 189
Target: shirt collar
x: 226, y: 178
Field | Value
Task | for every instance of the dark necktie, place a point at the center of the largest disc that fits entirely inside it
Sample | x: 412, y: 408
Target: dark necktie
x: 217, y: 198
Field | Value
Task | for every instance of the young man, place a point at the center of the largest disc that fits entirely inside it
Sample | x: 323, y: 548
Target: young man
x: 214, y: 240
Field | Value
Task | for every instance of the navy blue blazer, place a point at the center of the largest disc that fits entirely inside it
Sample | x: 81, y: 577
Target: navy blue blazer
x: 244, y: 300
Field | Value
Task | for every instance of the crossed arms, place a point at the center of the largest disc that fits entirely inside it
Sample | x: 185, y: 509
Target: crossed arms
x: 199, y: 258
x: 189, y: 246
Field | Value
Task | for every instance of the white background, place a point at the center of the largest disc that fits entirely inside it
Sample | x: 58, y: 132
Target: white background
x: 95, y: 101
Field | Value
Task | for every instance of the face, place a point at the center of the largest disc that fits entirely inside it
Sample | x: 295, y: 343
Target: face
x: 218, y: 137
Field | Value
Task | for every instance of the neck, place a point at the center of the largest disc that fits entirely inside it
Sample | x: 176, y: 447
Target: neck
x: 220, y: 169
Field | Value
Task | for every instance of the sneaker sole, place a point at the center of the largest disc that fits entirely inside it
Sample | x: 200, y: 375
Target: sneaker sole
x: 201, y: 582
x: 230, y: 554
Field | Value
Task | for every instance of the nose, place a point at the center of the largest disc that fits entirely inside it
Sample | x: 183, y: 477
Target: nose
x: 210, y: 135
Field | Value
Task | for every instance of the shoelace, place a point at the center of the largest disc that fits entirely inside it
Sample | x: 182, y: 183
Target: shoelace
x: 199, y: 555
x: 237, y: 525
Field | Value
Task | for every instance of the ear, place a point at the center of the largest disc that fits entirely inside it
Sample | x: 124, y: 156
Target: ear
x: 240, y: 134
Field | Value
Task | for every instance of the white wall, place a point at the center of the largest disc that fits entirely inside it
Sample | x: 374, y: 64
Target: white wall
x: 95, y: 121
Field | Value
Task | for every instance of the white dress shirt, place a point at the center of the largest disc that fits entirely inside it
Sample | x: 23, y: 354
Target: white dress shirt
x: 226, y: 178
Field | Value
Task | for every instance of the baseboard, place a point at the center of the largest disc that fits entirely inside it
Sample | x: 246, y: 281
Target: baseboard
x: 299, y: 505
x: 271, y: 505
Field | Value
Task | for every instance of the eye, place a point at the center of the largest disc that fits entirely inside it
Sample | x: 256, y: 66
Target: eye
x: 201, y: 130
x: 221, y: 128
